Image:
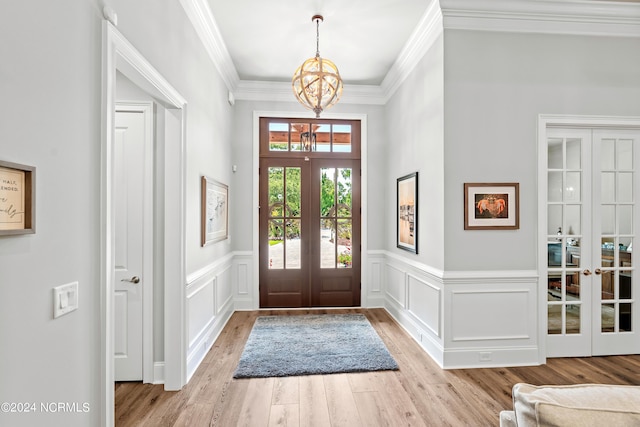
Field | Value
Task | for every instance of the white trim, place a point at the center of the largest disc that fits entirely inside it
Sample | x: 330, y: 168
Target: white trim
x: 577, y: 17
x: 119, y: 55
x: 256, y: 191
x: 147, y: 110
x: 428, y: 30
x: 201, y: 17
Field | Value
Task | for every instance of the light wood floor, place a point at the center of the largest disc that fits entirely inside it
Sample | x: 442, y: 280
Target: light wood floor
x: 419, y: 394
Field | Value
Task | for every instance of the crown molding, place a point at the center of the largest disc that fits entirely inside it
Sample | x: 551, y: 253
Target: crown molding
x: 425, y: 34
x: 282, y: 92
x: 201, y: 17
x: 577, y: 17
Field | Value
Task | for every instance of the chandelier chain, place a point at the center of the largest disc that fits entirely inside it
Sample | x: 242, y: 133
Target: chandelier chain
x: 317, y: 37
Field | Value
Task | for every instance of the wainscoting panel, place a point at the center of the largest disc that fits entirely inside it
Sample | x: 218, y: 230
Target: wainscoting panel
x: 465, y: 319
x: 372, y: 283
x: 243, y: 286
x: 424, y: 303
x: 209, y: 305
x: 396, y: 285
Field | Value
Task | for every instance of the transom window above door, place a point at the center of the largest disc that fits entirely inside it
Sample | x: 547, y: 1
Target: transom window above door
x: 301, y: 136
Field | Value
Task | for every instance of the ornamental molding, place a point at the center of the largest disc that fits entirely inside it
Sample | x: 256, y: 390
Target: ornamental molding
x: 566, y: 17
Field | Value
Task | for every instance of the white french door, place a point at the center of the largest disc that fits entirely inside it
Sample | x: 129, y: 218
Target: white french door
x: 592, y: 190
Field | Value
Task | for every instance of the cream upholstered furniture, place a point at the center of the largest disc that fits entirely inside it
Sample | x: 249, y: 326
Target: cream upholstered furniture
x: 581, y: 405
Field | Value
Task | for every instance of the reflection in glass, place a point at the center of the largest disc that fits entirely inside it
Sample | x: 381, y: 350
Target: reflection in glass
x: 608, y: 189
x: 607, y: 317
x: 554, y: 219
x: 608, y: 219
x: 625, y: 284
x: 554, y: 319
x: 625, y: 187
x: 573, y: 154
x: 625, y: 219
x: 278, y: 137
x: 554, y: 153
x: 574, y: 219
x: 572, y: 190
x: 554, y: 254
x: 625, y: 154
x: 624, y: 317
x: 572, y: 318
x: 555, y: 187
x: 608, y: 154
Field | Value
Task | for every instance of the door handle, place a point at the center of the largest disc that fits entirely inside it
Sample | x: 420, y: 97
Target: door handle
x: 134, y: 279
x: 597, y: 271
x: 586, y: 272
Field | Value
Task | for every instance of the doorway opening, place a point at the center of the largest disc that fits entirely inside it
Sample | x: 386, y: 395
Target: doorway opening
x: 310, y: 213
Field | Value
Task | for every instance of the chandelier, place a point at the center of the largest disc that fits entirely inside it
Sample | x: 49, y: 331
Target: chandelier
x: 317, y: 83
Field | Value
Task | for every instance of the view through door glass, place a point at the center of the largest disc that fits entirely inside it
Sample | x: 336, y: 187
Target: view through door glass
x: 592, y: 218
x: 309, y: 213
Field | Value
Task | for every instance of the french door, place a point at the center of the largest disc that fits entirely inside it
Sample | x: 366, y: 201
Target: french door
x: 309, y: 217
x: 592, y: 218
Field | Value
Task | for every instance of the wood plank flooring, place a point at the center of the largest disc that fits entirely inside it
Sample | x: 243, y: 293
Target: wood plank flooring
x: 419, y: 394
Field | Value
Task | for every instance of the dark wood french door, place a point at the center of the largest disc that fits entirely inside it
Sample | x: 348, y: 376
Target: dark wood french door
x: 309, y: 217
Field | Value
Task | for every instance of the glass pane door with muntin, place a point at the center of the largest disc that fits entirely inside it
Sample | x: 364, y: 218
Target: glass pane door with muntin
x: 309, y: 213
x: 592, y: 189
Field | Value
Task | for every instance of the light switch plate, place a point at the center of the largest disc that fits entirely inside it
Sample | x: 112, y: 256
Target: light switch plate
x: 65, y: 299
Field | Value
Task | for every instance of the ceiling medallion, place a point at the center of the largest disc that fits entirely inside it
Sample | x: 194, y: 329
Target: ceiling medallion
x: 316, y: 83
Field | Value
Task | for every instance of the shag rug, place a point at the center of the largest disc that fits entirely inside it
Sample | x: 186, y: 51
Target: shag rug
x: 281, y: 346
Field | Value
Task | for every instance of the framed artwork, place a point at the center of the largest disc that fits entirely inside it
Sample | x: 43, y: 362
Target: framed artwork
x: 17, y: 199
x: 407, y: 213
x: 215, y: 211
x: 491, y: 206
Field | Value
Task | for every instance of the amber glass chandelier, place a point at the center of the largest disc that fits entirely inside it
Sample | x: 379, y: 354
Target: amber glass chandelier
x: 317, y: 83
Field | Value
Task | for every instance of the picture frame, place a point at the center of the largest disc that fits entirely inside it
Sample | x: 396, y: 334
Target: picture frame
x: 492, y: 206
x: 17, y: 199
x: 215, y: 211
x: 407, y: 212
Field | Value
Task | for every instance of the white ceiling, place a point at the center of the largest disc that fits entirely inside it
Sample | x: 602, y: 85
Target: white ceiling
x: 268, y: 40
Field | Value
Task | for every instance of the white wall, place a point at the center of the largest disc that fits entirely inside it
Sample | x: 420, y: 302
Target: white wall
x: 414, y: 132
x: 51, y: 119
x: 496, y: 84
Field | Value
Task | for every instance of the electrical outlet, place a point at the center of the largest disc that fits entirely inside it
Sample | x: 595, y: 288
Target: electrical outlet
x: 65, y: 299
x: 485, y: 356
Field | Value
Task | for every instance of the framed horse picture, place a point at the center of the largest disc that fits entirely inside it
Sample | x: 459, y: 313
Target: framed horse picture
x: 491, y: 206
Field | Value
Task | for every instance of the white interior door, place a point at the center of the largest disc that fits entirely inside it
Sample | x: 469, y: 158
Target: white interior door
x: 129, y: 214
x: 592, y: 189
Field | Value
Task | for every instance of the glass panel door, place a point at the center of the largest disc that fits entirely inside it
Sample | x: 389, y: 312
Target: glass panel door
x: 569, y: 279
x: 336, y: 211
x: 616, y: 184
x: 592, y: 188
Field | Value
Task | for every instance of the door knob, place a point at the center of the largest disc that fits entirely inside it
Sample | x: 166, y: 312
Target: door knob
x: 597, y: 271
x: 134, y: 279
x: 586, y: 272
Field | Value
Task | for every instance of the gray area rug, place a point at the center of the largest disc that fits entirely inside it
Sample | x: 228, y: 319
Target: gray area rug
x: 281, y: 346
